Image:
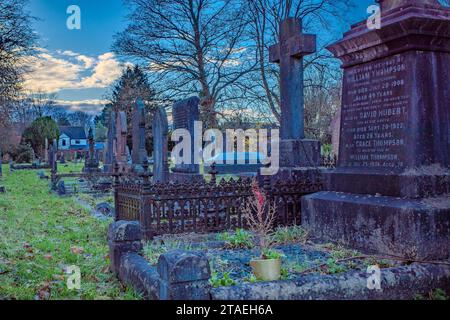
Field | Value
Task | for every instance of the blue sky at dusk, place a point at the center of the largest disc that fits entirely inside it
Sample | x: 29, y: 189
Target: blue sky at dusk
x: 78, y: 64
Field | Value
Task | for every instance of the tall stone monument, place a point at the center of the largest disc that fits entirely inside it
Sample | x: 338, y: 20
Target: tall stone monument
x: 160, y: 129
x: 110, y: 144
x: 185, y: 113
x: 293, y: 46
x: 120, y: 150
x: 390, y: 192
x: 139, y: 152
x: 91, y: 164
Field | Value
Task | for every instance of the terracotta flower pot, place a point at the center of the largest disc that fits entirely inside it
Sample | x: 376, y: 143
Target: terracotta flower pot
x: 266, y: 270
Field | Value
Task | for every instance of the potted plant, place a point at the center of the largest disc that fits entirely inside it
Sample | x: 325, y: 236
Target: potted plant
x: 260, y: 215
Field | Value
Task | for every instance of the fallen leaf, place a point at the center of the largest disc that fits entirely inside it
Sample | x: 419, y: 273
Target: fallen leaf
x: 76, y: 250
x: 48, y: 257
x: 43, y: 292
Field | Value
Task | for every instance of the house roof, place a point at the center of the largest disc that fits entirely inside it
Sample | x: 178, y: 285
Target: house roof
x: 73, y: 132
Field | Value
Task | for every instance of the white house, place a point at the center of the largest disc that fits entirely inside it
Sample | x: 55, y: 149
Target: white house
x: 72, y: 139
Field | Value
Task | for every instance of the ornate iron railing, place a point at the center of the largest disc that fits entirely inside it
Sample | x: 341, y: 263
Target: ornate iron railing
x: 201, y: 207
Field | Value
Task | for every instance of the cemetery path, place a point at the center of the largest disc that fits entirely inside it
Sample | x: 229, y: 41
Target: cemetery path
x: 41, y: 235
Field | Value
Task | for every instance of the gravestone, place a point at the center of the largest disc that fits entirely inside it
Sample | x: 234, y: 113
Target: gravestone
x: 160, y: 129
x: 139, y: 152
x: 121, y: 152
x: 185, y: 113
x: 46, y: 151
x: 91, y: 163
x: 293, y: 46
x: 391, y: 189
x: 110, y: 144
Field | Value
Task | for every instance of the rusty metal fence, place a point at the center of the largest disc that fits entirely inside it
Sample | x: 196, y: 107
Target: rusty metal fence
x: 201, y: 207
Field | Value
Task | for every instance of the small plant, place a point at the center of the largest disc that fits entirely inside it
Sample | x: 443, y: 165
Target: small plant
x: 153, y: 250
x: 260, y: 215
x: 293, y: 234
x: 224, y: 281
x: 272, y: 254
x: 239, y: 239
x: 251, y: 278
x: 333, y: 267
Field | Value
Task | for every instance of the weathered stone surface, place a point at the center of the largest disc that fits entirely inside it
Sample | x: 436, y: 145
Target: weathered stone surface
x: 182, y: 266
x: 160, y: 129
x: 136, y: 271
x: 121, y: 149
x: 122, y: 231
x: 408, y: 228
x: 394, y: 146
x: 400, y: 283
x: 110, y: 144
x: 289, y: 53
x: 295, y: 150
x: 184, y: 275
x: 91, y: 163
x: 139, y: 152
x: 123, y: 237
x: 185, y: 114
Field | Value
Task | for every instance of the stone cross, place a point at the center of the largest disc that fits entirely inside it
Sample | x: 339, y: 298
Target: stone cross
x: 289, y: 53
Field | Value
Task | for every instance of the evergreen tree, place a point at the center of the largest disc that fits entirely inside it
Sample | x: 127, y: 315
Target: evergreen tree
x: 132, y: 84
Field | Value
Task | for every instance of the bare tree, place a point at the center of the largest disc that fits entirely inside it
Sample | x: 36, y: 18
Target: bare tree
x: 191, y: 45
x: 16, y: 41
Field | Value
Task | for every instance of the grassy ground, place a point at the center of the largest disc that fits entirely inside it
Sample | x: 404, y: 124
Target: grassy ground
x: 41, y: 235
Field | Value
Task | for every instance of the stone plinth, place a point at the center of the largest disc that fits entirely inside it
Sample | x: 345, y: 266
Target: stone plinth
x: 394, y: 150
x: 410, y: 228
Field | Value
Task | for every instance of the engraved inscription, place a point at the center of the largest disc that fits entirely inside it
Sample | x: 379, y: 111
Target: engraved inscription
x: 374, y: 115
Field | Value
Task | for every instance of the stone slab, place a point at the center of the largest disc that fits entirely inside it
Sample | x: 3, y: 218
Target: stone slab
x: 417, y: 229
x: 409, y: 184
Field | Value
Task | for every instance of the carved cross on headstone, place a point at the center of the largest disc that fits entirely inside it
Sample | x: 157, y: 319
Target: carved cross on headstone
x: 289, y: 53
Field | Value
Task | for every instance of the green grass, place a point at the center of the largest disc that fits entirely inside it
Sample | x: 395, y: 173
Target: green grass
x: 41, y: 234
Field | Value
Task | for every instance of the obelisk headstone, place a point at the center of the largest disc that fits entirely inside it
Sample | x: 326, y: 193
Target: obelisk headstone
x: 121, y: 141
x: 293, y: 46
x: 110, y: 143
x: 139, y: 152
x: 46, y: 151
x: 160, y: 129
x: 391, y: 187
x: 185, y: 113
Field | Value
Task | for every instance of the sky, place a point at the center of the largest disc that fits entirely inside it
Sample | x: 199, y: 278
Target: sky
x: 78, y: 65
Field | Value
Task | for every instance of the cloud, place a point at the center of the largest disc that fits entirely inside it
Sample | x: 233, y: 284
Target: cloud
x: 61, y: 70
x: 92, y: 107
x: 106, y: 71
